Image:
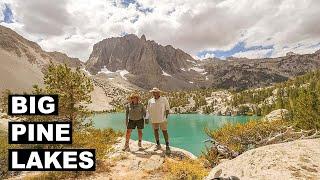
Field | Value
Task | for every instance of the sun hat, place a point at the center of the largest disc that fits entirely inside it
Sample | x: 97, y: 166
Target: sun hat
x: 155, y: 90
x: 133, y: 95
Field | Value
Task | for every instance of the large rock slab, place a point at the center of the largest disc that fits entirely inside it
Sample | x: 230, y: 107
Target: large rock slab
x: 293, y: 160
x: 277, y: 115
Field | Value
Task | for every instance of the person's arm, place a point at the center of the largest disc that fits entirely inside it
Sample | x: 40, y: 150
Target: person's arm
x: 167, y: 107
x: 146, y: 119
x: 127, y: 115
x: 144, y: 112
x: 148, y: 107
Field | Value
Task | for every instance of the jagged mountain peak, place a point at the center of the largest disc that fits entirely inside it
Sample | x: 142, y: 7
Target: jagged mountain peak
x: 143, y: 38
x: 145, y: 60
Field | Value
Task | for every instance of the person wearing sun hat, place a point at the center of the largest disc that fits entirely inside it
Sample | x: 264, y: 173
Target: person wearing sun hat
x: 135, y: 114
x: 158, y: 111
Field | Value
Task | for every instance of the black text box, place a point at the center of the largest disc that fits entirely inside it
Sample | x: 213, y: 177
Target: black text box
x: 33, y: 104
x: 51, y: 160
x: 50, y: 132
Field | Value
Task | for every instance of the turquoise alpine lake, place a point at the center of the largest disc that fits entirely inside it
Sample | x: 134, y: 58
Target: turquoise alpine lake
x: 186, y: 131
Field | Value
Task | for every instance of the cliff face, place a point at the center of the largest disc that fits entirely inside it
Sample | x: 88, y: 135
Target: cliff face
x: 148, y: 63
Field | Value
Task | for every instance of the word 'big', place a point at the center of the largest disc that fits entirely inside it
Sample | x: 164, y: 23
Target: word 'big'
x: 33, y: 105
x: 40, y: 132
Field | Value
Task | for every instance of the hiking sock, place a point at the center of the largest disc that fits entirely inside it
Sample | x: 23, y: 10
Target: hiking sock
x: 167, y: 144
x: 158, y: 142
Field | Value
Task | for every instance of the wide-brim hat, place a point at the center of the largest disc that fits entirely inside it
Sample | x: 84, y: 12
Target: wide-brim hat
x: 134, y: 95
x: 155, y: 90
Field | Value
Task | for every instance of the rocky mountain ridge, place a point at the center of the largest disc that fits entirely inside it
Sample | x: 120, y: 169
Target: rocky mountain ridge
x: 144, y: 64
x: 253, y: 73
x: 23, y: 61
x: 149, y: 64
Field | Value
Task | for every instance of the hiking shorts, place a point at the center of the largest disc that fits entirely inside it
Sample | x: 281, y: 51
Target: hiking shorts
x: 162, y: 125
x: 132, y: 124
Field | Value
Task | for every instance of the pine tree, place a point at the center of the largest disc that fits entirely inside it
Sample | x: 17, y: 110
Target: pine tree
x: 73, y: 88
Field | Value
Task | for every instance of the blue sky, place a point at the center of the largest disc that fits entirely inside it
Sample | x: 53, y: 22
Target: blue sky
x: 139, y: 7
x: 7, y: 14
x: 239, y: 47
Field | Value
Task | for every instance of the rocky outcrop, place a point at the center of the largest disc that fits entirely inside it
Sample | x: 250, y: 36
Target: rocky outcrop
x: 139, y: 163
x: 277, y: 115
x: 293, y: 160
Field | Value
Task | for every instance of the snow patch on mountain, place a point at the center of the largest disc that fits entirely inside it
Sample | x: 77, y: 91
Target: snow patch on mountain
x: 199, y: 70
x: 123, y: 73
x: 191, y: 61
x: 105, y: 70
x: 86, y: 71
x: 165, y: 74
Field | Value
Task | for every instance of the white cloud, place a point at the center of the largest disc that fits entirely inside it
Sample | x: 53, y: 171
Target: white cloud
x: 253, y: 54
x: 74, y: 26
x: 2, y: 7
x: 205, y: 56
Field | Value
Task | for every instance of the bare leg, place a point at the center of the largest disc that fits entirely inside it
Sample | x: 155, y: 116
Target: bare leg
x: 140, y: 138
x: 128, y: 134
x: 140, y: 134
x: 166, y: 136
x: 156, y: 135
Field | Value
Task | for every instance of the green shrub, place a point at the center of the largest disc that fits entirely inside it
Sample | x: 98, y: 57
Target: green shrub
x: 239, y: 137
x: 242, y: 137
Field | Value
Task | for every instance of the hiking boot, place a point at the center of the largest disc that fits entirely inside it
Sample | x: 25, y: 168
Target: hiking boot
x: 139, y: 144
x: 126, y: 147
x: 168, y: 150
x: 158, y: 147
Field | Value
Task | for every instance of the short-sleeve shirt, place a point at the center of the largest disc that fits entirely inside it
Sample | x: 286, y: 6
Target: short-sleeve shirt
x: 157, y: 109
x: 135, y: 111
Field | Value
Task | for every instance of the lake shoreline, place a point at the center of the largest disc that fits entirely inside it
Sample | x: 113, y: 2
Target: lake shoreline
x: 186, y: 131
x: 102, y: 112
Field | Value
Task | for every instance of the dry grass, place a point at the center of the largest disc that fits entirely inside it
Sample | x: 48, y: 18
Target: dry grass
x: 184, y: 169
